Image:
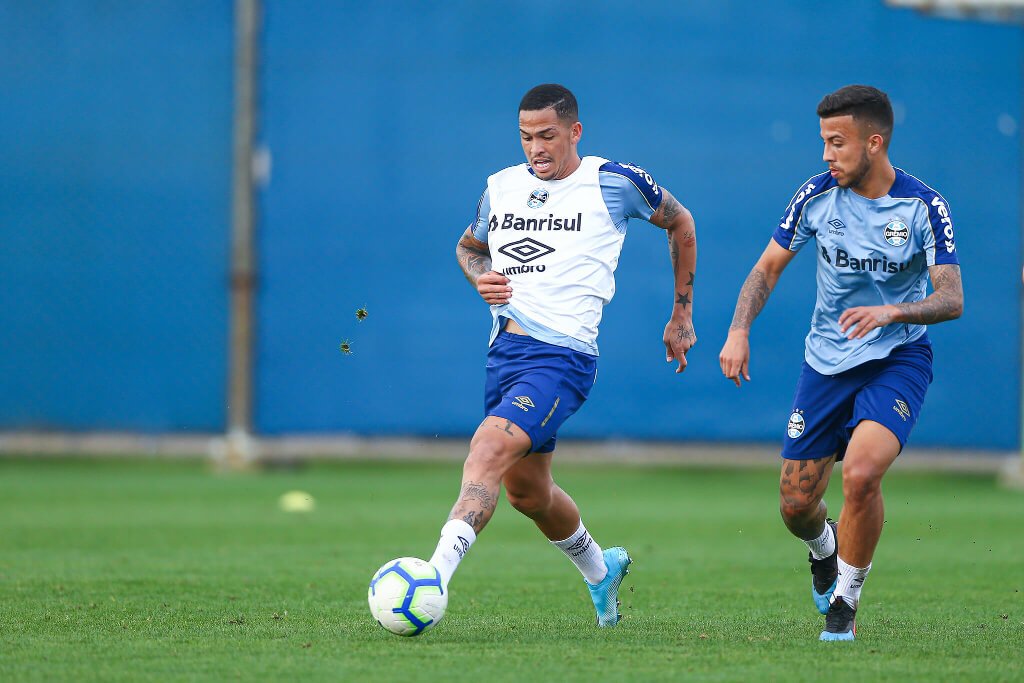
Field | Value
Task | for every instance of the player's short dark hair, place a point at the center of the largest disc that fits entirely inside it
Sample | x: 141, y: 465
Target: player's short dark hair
x: 866, y: 105
x: 553, y: 96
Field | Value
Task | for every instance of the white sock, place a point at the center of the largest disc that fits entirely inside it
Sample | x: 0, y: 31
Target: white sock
x: 585, y: 553
x: 850, y: 581
x: 456, y: 539
x: 824, y: 545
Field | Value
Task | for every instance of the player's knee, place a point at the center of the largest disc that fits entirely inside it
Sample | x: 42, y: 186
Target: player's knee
x: 860, y: 481
x: 485, y: 458
x: 799, y: 506
x: 530, y: 502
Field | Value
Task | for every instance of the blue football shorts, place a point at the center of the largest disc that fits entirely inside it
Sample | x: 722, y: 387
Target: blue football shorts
x: 536, y: 385
x: 827, y: 408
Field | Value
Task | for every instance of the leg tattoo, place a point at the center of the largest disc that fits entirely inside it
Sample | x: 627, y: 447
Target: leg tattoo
x: 507, y: 427
x: 801, y: 488
x: 475, y: 505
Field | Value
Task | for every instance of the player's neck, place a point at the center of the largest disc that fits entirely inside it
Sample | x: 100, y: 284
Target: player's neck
x: 878, y: 181
x: 570, y: 168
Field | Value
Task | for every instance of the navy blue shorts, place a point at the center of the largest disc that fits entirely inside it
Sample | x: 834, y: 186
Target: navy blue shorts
x: 536, y: 385
x: 827, y: 408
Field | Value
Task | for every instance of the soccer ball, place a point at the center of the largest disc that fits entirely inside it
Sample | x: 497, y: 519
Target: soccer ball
x: 406, y: 596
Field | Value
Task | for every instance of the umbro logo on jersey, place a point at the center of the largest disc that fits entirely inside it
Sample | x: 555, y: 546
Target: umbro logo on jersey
x: 525, y: 250
x: 902, y: 409
x: 837, y: 227
x: 896, y: 233
x: 523, y: 402
x: 537, y: 198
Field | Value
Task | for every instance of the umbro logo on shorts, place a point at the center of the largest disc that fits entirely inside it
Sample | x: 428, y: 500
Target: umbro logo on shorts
x: 902, y: 409
x: 523, y: 402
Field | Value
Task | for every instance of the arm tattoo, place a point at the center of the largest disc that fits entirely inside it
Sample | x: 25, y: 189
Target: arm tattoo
x: 753, y: 296
x: 670, y: 208
x: 945, y: 303
x: 685, y: 332
x: 682, y: 244
x: 473, y: 260
x: 687, y: 237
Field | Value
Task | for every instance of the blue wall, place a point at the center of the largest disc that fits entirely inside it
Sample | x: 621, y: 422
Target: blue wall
x: 115, y: 152
x: 383, y: 121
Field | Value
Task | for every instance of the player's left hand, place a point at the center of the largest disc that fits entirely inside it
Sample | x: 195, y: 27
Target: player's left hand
x: 863, y: 319
x: 679, y: 338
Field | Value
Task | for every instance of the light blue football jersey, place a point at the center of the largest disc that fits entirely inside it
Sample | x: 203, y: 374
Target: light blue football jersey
x: 870, y: 252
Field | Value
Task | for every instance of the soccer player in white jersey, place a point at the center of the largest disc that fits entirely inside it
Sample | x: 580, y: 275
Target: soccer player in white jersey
x: 542, y: 252
x: 879, y: 233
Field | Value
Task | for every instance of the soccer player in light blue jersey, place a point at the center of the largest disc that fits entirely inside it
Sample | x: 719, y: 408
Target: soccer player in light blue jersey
x: 878, y: 235
x: 542, y: 252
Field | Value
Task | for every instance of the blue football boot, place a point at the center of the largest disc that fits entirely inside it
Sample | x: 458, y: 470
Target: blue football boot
x: 840, y: 621
x: 606, y: 594
x: 824, y: 574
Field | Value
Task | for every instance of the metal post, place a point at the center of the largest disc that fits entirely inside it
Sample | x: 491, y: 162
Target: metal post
x: 239, y: 446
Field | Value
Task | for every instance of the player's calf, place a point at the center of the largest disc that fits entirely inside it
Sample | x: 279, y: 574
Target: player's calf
x: 490, y: 456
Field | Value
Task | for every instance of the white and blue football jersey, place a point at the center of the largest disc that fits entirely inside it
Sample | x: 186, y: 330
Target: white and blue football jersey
x: 870, y: 252
x: 558, y: 242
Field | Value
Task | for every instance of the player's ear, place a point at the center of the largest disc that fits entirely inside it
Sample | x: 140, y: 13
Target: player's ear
x: 576, y: 131
x: 876, y: 144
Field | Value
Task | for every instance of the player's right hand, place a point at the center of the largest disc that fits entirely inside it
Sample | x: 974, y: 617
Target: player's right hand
x: 735, y: 357
x: 493, y: 287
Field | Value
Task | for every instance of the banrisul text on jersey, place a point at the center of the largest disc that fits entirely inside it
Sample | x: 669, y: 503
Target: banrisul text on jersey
x: 510, y: 221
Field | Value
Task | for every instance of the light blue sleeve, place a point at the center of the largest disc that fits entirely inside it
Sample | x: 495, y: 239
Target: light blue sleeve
x: 483, y: 210
x: 628, y: 192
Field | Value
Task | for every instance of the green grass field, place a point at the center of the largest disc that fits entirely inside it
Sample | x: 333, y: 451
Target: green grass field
x: 156, y: 570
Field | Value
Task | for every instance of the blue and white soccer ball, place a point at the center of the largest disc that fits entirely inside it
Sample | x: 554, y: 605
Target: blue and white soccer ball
x: 406, y: 596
